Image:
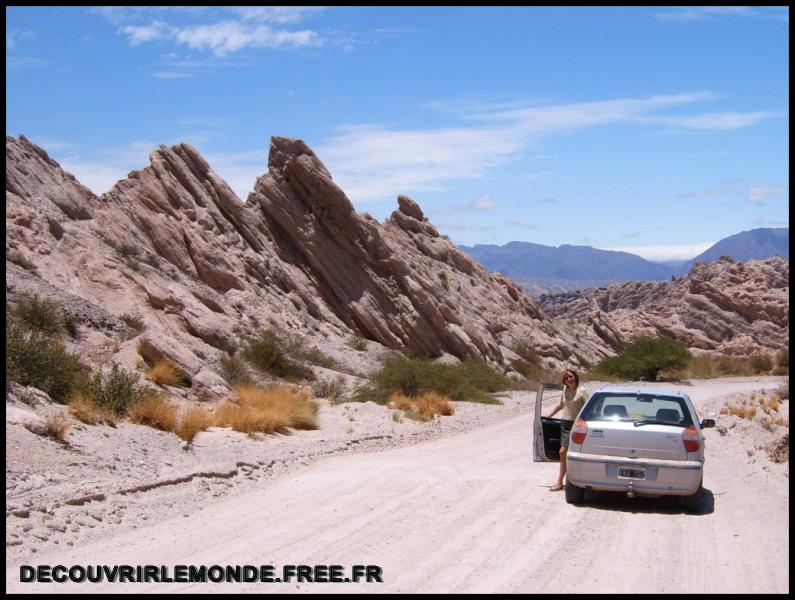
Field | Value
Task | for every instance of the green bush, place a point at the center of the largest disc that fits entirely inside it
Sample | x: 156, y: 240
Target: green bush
x: 471, y: 380
x: 644, y: 357
x: 333, y: 389
x: 135, y: 323
x: 267, y: 354
x: 315, y: 356
x: 38, y: 314
x: 782, y: 358
x: 36, y: 359
x: 117, y: 390
x: 234, y: 370
x: 761, y: 363
x: 358, y: 342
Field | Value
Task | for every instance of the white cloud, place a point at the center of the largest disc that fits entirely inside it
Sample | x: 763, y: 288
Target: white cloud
x: 375, y: 162
x: 715, y: 121
x: 99, y: 177
x: 239, y: 169
x: 702, y: 13
x: 50, y: 145
x: 759, y: 193
x: 484, y: 202
x: 275, y: 14
x: 157, y: 30
x: 670, y: 252
x: 172, y: 75
x: 231, y: 36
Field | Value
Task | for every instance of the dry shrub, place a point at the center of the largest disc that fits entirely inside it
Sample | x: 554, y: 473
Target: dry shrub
x: 779, y: 450
x: 193, y: 421
x: 400, y: 401
x: 266, y: 411
x: 88, y: 411
x: 702, y: 367
x: 164, y: 373
x: 424, y: 407
x: 154, y: 411
x: 56, y: 426
x: 432, y: 404
x: 774, y: 402
x: 744, y: 411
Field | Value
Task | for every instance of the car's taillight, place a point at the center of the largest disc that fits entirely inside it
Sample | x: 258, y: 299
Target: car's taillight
x: 691, y: 439
x: 579, y: 431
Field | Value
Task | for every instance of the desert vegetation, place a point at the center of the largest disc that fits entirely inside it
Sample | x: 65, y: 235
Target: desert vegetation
x: 424, y: 407
x: 470, y: 380
x: 258, y: 410
x: 275, y: 355
x: 357, y: 342
x: 36, y: 354
x: 709, y: 366
x: 163, y: 372
x: 644, y: 357
x: 333, y: 389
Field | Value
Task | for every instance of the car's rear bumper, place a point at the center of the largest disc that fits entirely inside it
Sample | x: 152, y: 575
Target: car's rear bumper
x: 663, y: 477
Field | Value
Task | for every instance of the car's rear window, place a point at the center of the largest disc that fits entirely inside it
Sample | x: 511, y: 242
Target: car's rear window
x: 611, y: 406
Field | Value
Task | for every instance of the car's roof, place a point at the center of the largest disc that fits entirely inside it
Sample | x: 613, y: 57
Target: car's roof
x: 641, y: 390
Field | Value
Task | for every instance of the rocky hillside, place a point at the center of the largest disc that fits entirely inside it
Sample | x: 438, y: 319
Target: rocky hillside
x: 724, y: 306
x: 173, y: 246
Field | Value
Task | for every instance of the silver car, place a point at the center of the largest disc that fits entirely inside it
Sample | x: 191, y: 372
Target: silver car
x: 638, y: 441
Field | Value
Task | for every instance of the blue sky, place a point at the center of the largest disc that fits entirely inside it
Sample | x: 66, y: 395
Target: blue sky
x: 658, y: 130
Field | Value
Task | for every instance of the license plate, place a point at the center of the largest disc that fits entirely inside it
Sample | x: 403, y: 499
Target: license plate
x: 631, y: 473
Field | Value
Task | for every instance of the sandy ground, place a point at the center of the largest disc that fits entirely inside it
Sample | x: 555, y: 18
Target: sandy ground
x: 456, y: 505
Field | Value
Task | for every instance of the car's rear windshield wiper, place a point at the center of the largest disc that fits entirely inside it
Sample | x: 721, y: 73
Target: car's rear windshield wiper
x: 640, y: 422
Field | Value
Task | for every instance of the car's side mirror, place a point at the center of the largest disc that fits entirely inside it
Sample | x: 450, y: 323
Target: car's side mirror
x: 707, y: 423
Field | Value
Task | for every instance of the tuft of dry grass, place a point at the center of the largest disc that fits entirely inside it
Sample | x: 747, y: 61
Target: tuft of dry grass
x: 400, y: 402
x: 745, y: 411
x: 164, y: 373
x: 193, y: 421
x: 56, y: 426
x: 154, y: 411
x: 268, y: 410
x: 87, y: 410
x: 432, y: 404
x: 424, y: 407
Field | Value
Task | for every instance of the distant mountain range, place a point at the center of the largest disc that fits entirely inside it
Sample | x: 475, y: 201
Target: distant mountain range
x: 540, y: 268
x: 523, y: 260
x: 745, y: 246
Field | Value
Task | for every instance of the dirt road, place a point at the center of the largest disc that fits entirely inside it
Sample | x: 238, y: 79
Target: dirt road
x: 473, y: 513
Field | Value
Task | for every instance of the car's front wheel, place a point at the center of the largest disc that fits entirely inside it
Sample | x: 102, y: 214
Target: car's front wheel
x: 694, y: 502
x: 574, y: 494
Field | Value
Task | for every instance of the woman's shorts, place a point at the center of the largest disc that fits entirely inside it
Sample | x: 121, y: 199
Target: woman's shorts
x: 565, y: 431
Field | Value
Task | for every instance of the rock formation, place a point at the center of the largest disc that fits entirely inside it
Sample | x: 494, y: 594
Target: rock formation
x: 172, y: 245
x: 726, y: 307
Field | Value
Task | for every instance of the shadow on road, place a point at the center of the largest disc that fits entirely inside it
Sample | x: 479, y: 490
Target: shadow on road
x: 667, y: 505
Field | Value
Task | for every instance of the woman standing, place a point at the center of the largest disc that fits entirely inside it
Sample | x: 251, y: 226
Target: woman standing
x: 571, y: 402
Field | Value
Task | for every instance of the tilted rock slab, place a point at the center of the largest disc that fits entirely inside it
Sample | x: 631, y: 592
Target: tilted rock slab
x: 724, y: 307
x: 173, y: 245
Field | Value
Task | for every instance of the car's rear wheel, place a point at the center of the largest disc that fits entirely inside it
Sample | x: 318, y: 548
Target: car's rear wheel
x: 574, y: 494
x: 694, y: 502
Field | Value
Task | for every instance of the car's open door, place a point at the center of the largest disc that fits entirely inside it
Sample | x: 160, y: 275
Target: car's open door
x: 546, y: 432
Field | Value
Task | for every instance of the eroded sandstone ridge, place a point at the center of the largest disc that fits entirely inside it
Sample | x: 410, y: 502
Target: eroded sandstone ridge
x: 724, y: 306
x: 172, y: 245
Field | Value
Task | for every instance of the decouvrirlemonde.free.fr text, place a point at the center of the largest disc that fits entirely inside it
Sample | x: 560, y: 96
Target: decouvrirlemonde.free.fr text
x: 200, y: 574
